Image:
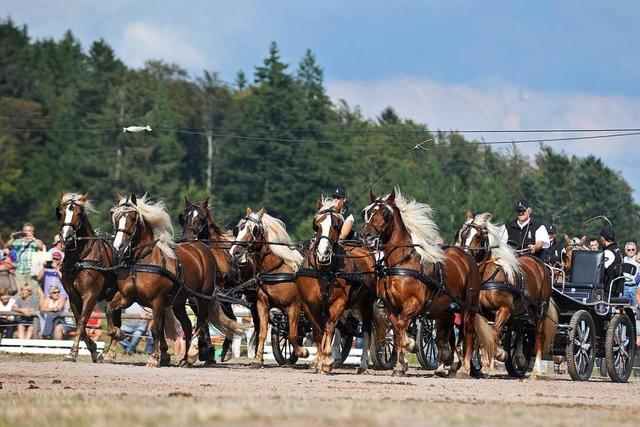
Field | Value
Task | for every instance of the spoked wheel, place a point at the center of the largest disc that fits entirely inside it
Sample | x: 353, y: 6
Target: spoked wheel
x: 343, y: 348
x: 581, y: 346
x: 476, y: 363
x: 282, y: 348
x: 384, y: 357
x: 516, y: 368
x: 620, y: 348
x: 426, y: 341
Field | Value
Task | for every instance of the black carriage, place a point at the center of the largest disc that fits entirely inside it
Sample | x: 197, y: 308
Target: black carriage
x: 595, y: 320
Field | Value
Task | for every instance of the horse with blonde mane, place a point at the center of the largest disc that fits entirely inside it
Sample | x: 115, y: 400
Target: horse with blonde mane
x: 265, y: 238
x: 86, y: 274
x: 416, y: 277
x: 514, y: 291
x: 157, y: 273
x: 334, y: 278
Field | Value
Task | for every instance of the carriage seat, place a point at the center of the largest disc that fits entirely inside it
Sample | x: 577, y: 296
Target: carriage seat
x: 586, y: 270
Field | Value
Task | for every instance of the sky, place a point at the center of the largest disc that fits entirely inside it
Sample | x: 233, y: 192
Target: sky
x: 508, y: 65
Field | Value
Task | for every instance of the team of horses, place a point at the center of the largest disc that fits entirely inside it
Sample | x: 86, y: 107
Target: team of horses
x: 396, y: 261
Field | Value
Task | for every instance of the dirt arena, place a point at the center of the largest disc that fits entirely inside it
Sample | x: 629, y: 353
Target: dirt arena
x: 47, y: 392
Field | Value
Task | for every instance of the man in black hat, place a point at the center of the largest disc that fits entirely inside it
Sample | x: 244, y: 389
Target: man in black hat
x: 613, y: 259
x: 347, y: 227
x: 554, y: 253
x: 525, y: 234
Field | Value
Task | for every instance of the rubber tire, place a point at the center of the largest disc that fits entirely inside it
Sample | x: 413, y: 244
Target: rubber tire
x: 513, y: 370
x: 346, y: 342
x: 610, y: 355
x: 282, y: 349
x: 427, y: 348
x: 385, y: 357
x: 577, y: 318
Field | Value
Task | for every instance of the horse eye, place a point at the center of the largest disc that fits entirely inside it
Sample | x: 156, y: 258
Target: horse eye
x: 235, y: 231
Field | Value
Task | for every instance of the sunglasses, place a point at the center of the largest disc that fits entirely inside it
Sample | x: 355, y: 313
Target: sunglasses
x: 54, y: 292
x: 631, y: 250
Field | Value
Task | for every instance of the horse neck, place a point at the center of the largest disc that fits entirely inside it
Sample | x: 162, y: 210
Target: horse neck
x: 399, y: 244
x: 268, y: 260
x: 84, y: 247
x: 220, y: 252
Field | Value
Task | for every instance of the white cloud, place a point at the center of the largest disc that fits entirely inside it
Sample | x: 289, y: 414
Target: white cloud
x: 142, y: 41
x: 494, y: 105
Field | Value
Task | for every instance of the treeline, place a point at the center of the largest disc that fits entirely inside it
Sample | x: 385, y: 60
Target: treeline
x: 271, y: 139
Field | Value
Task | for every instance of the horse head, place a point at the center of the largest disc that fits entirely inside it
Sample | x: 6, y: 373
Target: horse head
x: 194, y: 220
x: 378, y: 216
x: 249, y: 236
x: 327, y: 225
x: 126, y: 222
x: 474, y: 235
x: 71, y: 214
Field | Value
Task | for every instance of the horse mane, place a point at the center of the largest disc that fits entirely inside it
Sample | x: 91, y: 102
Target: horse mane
x: 328, y: 203
x: 505, y: 256
x: 418, y: 220
x: 156, y: 216
x: 220, y: 253
x: 76, y: 198
x: 276, y: 231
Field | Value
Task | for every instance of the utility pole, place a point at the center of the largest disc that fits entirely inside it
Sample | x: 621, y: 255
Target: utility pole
x: 119, y: 139
x: 209, y: 160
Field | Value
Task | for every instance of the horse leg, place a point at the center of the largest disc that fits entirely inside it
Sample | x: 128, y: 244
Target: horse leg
x: 180, y: 312
x: 113, y: 313
x: 293, y: 313
x: 335, y: 311
x: 88, y: 304
x: 157, y: 330
x: 263, y: 314
x: 367, y: 333
x: 502, y: 316
x: 443, y: 341
x: 165, y: 358
x: 539, y: 346
x: 227, y: 353
x: 469, y: 337
x: 398, y: 369
x: 76, y: 306
x: 206, y: 350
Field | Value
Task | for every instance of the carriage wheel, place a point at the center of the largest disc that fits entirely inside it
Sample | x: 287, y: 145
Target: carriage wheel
x: 476, y: 363
x: 620, y: 348
x: 384, y: 357
x: 426, y: 341
x: 510, y: 345
x: 581, y: 346
x: 344, y: 348
x: 282, y: 348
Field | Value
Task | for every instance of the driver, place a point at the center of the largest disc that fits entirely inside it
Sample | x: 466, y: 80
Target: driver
x: 612, y: 258
x: 526, y: 234
x: 346, y: 232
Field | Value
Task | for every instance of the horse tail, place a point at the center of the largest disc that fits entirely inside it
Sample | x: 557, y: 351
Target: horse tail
x: 223, y: 323
x: 485, y: 335
x: 170, y: 324
x: 550, y: 326
x: 378, y: 327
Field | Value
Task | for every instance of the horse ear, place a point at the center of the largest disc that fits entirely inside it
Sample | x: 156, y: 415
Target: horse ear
x: 249, y: 211
x: 61, y: 194
x: 318, y: 204
x: 118, y: 197
x: 372, y: 196
x: 133, y: 198
x: 205, y: 203
x: 84, y: 197
x: 469, y: 214
x: 392, y: 197
x: 486, y: 216
x: 261, y: 213
x: 583, y: 240
x: 187, y: 203
x: 567, y: 240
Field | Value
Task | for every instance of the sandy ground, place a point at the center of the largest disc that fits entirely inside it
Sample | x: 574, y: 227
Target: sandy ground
x: 47, y: 392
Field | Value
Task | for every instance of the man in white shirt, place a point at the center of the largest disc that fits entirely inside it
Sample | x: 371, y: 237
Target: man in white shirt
x: 525, y: 234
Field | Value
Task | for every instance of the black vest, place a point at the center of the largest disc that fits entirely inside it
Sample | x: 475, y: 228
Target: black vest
x: 615, y: 269
x: 521, y: 238
x: 554, y: 253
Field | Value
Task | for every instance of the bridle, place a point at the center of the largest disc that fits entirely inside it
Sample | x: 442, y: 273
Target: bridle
x: 131, y: 233
x: 190, y: 226
x: 387, y: 215
x: 332, y: 244
x: 71, y: 204
x: 482, y: 235
x: 256, y: 231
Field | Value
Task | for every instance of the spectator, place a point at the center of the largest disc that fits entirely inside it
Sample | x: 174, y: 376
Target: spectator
x: 27, y: 305
x: 25, y: 244
x: 180, y: 345
x: 94, y: 324
x: 57, y: 247
x: 594, y: 245
x: 51, y: 307
x: 630, y: 286
x: 7, y: 321
x: 51, y: 275
x: 136, y: 327
x: 7, y: 277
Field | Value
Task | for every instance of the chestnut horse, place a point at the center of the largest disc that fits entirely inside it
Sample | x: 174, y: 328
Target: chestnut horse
x: 157, y: 273
x: 264, y: 237
x: 417, y: 277
x: 198, y: 224
x: 86, y: 274
x: 515, y: 291
x: 333, y: 279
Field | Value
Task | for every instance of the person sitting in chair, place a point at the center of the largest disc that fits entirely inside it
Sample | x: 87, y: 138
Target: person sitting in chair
x: 525, y: 234
x: 347, y: 231
x: 613, y: 259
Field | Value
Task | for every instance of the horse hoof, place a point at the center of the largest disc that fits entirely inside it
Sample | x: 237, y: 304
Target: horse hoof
x: 398, y: 373
x: 362, y: 371
x: 108, y: 360
x: 183, y: 364
x: 501, y: 355
x: 69, y: 358
x: 192, y: 358
x: 210, y: 361
x: 256, y: 365
x: 441, y: 372
x: 326, y: 369
x: 304, y: 353
x: 153, y: 363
